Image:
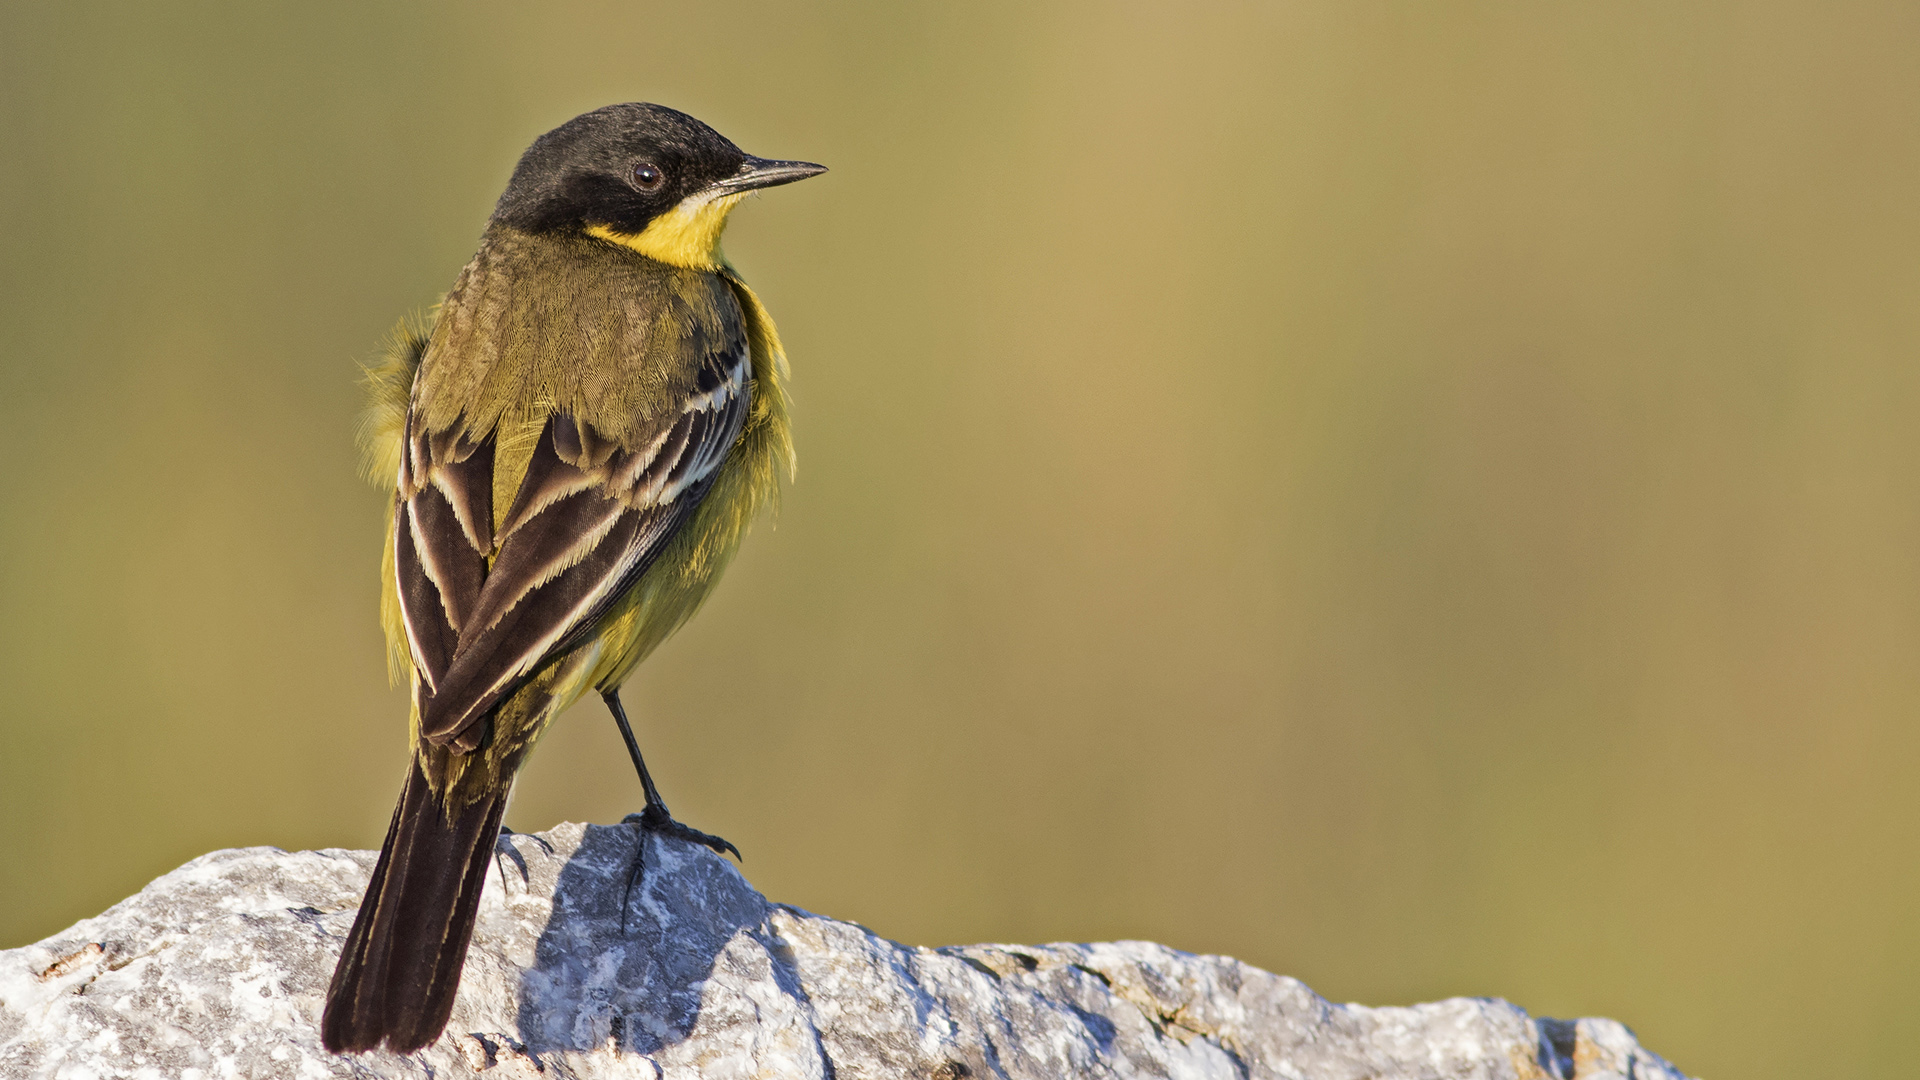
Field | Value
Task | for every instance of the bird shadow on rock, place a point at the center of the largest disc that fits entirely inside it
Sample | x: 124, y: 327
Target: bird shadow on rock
x: 639, y: 987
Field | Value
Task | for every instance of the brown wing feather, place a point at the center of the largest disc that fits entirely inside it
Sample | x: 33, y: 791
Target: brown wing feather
x: 442, y: 535
x: 586, y: 522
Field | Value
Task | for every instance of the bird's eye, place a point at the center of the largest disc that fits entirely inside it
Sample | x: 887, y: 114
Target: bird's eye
x: 648, y: 177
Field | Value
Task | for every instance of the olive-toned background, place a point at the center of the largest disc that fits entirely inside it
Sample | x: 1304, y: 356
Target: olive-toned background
x: 1419, y: 497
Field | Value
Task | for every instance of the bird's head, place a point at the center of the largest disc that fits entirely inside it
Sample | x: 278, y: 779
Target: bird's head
x: 644, y: 176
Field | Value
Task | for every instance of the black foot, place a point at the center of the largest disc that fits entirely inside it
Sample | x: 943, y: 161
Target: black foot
x: 656, y: 819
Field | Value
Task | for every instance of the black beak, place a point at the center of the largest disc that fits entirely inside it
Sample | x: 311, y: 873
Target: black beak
x: 756, y: 173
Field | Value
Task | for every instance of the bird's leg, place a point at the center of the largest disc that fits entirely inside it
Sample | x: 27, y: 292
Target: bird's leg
x: 654, y: 816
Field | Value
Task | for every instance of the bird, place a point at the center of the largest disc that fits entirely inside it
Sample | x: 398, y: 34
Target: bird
x: 576, y: 441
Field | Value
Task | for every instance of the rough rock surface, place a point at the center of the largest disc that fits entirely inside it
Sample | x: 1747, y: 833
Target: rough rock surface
x: 217, y: 970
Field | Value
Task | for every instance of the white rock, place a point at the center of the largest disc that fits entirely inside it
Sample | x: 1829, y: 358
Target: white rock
x: 217, y: 970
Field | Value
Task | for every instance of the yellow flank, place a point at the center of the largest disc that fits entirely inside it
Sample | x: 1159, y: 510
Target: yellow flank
x: 675, y: 586
x: 687, y: 235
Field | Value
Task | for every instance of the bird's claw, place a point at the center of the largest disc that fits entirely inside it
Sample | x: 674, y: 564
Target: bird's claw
x: 655, y: 819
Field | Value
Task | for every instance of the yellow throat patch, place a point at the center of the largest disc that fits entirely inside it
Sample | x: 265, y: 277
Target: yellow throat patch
x: 687, y: 235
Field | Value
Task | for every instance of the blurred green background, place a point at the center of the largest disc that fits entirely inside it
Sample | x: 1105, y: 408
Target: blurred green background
x: 1419, y: 497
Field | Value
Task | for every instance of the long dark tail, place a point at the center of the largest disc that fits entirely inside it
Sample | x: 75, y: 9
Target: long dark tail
x: 401, y: 965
